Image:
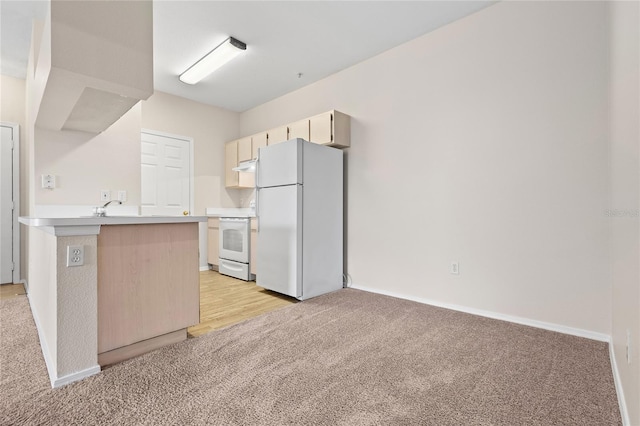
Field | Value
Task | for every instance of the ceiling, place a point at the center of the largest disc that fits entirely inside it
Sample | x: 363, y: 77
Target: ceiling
x: 290, y: 44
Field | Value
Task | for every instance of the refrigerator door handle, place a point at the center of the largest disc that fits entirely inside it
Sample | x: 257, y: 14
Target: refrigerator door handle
x: 256, y: 172
x: 257, y: 191
x: 257, y: 209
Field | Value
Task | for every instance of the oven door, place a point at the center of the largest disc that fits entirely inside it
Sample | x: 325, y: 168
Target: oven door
x: 234, y: 239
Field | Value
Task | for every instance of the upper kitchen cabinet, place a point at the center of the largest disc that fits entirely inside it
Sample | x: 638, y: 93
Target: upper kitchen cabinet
x: 234, y: 152
x: 331, y: 128
x: 230, y: 161
x: 93, y: 63
x: 244, y: 149
x: 258, y: 141
x: 277, y: 135
x: 299, y: 129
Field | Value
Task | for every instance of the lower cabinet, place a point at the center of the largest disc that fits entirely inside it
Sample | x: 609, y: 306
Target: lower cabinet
x: 213, y: 235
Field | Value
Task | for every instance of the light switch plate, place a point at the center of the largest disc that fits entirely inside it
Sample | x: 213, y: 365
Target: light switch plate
x: 48, y: 181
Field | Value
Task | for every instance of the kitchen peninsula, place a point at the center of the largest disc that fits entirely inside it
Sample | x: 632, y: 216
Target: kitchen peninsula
x: 132, y: 287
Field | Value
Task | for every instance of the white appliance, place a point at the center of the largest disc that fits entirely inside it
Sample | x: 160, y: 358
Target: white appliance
x: 299, y: 207
x: 233, y: 244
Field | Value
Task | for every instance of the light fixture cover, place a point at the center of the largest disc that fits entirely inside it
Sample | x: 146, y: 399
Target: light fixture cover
x: 223, y: 53
x: 246, y: 166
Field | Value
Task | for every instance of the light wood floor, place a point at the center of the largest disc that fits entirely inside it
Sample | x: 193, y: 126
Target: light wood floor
x: 11, y: 290
x: 225, y: 301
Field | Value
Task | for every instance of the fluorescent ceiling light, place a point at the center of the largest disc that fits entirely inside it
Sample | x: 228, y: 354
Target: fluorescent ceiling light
x: 226, y: 51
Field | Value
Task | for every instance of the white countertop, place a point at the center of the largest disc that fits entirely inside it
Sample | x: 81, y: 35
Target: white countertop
x: 107, y: 220
x: 230, y: 212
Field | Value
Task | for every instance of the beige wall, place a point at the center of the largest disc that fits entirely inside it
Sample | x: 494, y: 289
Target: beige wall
x: 625, y: 193
x: 85, y: 164
x: 210, y: 127
x: 64, y: 306
x: 484, y: 142
x: 12, y: 100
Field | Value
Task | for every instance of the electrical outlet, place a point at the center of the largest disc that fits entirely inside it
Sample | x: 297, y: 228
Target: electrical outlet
x: 629, y: 353
x: 122, y: 195
x: 454, y: 268
x: 105, y: 195
x: 75, y: 255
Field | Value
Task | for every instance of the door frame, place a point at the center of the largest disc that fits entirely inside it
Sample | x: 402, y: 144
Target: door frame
x: 189, y: 140
x: 15, y: 243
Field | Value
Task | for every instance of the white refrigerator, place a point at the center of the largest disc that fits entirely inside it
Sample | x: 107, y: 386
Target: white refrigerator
x: 299, y: 208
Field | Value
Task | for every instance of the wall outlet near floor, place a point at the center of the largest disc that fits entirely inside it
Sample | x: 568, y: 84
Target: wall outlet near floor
x: 628, y: 346
x: 75, y: 255
x: 105, y: 195
x: 454, y: 268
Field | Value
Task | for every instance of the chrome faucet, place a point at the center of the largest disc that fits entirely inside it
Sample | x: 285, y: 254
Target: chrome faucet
x: 102, y: 211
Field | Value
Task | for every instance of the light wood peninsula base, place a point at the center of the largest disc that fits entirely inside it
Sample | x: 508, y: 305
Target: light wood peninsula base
x: 148, y: 287
x: 126, y: 352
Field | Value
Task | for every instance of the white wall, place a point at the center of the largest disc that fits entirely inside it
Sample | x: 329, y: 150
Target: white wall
x: 484, y: 142
x: 625, y: 197
x: 43, y: 293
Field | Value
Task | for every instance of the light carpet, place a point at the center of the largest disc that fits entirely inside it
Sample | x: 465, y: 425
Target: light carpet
x: 346, y: 358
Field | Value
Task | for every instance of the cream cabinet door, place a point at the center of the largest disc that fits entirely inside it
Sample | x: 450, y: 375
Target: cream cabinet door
x: 277, y: 135
x: 213, y: 235
x: 258, y: 141
x: 331, y: 128
x: 321, y: 128
x: 230, y: 161
x: 299, y: 129
x: 245, y: 180
x: 244, y: 149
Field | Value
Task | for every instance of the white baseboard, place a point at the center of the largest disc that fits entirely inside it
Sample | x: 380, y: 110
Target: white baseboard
x: 495, y: 315
x: 48, y: 360
x: 56, y: 381
x: 624, y: 413
x: 204, y: 268
x: 74, y: 377
x: 26, y: 286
